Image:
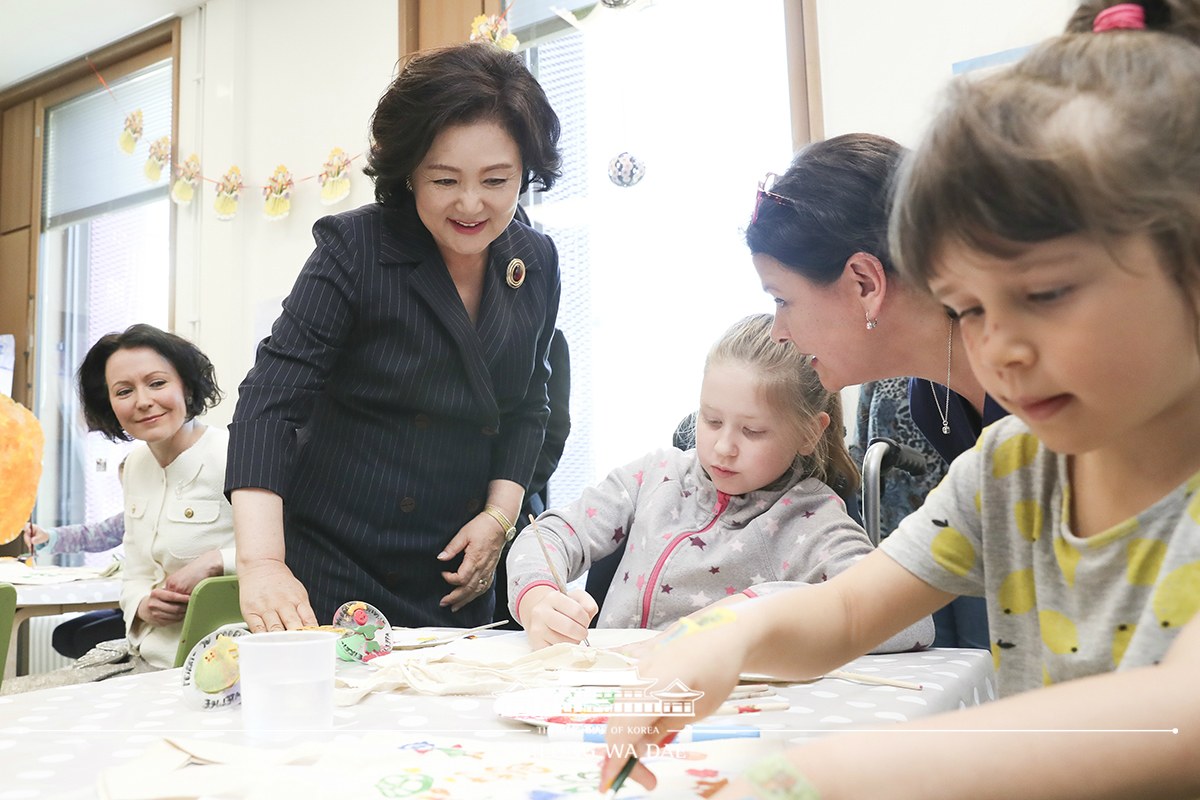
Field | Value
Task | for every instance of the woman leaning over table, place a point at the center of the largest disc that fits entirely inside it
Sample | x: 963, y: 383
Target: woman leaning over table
x: 819, y: 243
x: 383, y: 439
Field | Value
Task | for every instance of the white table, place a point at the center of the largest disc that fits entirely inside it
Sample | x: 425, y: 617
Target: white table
x: 58, y: 740
x: 58, y: 598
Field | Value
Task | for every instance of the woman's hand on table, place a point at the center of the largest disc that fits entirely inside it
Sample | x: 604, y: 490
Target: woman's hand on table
x: 163, y: 607
x: 551, y: 617
x: 271, y: 597
x: 480, y: 541
x: 34, y: 535
x: 184, y: 580
x: 706, y: 655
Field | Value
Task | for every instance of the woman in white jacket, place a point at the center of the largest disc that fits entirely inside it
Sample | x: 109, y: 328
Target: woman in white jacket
x: 150, y: 385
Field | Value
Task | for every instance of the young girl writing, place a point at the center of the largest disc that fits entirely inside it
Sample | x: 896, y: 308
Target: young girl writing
x: 1054, y: 209
x: 748, y: 512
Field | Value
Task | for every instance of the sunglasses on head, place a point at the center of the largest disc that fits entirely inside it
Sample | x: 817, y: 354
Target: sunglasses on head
x: 764, y: 190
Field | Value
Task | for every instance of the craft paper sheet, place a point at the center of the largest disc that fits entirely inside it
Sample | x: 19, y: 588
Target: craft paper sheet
x: 399, y: 765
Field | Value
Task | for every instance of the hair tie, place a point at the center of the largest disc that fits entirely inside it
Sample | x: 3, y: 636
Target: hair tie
x: 1125, y: 15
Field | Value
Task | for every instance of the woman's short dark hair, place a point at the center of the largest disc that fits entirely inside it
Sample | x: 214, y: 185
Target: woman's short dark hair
x: 194, y: 368
x: 459, y: 85
x: 836, y: 205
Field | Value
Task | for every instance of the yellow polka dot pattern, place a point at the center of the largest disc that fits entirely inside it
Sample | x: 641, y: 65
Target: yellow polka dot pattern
x: 1029, y: 519
x: 1068, y: 558
x: 1143, y: 560
x: 1178, y: 596
x: 1058, y: 632
x: 1014, y: 453
x: 1018, y: 593
x: 953, y: 551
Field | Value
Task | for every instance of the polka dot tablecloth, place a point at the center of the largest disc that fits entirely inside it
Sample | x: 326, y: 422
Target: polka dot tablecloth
x: 55, y: 742
x: 99, y: 590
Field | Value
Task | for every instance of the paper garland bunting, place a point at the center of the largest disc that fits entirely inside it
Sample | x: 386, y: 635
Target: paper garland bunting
x: 160, y: 154
x: 278, y: 192
x: 493, y: 29
x: 185, y: 185
x: 334, y: 180
x: 132, y: 133
x: 229, y: 188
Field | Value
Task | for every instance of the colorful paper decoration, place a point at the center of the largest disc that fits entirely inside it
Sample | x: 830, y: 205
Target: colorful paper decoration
x: 229, y: 188
x: 370, y: 633
x: 626, y: 170
x: 160, y: 154
x: 334, y: 180
x: 278, y: 192
x: 493, y: 29
x: 21, y: 442
x: 185, y: 185
x: 211, y: 678
x: 132, y: 132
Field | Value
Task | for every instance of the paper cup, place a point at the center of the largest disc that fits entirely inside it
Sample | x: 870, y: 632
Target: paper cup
x: 287, y: 681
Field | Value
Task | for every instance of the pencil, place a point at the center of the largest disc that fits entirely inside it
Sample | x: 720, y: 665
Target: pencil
x: 562, y: 587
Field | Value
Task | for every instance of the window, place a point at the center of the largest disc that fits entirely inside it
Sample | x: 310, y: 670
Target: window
x: 104, y: 265
x: 653, y: 274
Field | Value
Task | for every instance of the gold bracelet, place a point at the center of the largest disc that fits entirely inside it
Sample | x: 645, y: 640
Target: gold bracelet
x: 495, y: 513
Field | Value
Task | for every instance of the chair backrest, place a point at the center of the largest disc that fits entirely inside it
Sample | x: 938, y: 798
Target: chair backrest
x: 214, y: 603
x: 8, y: 610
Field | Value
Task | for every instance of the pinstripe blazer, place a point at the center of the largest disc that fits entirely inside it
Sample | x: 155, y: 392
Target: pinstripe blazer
x: 379, y: 413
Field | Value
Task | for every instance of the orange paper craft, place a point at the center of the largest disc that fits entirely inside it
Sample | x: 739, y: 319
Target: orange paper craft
x: 20, y: 466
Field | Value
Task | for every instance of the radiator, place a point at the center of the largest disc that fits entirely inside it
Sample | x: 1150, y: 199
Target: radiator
x: 42, y: 656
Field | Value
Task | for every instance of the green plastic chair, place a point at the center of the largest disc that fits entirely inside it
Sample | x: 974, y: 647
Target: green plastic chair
x: 8, y: 611
x: 214, y: 603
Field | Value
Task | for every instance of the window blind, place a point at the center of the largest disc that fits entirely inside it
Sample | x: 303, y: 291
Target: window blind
x: 85, y: 171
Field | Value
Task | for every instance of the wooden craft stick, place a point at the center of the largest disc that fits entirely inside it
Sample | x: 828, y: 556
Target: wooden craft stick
x: 450, y: 637
x: 854, y: 676
x: 562, y: 587
x: 749, y: 708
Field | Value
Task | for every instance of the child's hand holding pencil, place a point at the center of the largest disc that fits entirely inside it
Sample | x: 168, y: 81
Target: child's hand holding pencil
x: 551, y: 614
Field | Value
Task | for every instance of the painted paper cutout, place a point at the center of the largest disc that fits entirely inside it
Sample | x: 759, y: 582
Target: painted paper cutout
x: 229, y: 188
x: 160, y: 154
x: 132, y: 132
x: 278, y: 192
x: 211, y: 677
x: 334, y: 178
x: 493, y: 29
x: 370, y: 632
x: 185, y: 185
x: 21, y: 441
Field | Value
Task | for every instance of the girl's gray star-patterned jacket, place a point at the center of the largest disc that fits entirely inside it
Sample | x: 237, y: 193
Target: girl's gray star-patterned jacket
x: 690, y: 545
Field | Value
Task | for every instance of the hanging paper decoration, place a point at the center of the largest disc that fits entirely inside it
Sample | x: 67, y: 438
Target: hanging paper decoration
x: 626, y: 170
x: 229, y: 188
x: 21, y: 443
x: 185, y: 185
x: 493, y: 29
x: 278, y: 192
x: 160, y: 153
x: 132, y: 132
x: 334, y: 180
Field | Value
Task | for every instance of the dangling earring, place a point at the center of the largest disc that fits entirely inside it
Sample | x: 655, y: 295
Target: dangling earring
x: 408, y: 182
x: 871, y: 323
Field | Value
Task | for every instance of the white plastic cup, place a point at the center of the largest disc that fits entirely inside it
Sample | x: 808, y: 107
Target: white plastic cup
x: 287, y: 681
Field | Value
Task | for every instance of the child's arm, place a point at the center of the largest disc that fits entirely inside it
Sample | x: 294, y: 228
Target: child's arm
x: 91, y: 537
x: 575, y: 535
x: 794, y: 635
x: 1150, y: 751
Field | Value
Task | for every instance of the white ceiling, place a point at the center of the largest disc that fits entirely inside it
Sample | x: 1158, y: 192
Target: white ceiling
x: 36, y: 35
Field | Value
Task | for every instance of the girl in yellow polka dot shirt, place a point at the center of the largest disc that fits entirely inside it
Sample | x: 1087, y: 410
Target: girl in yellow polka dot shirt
x: 1054, y: 209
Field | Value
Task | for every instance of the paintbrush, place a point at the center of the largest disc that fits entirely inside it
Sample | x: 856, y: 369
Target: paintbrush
x: 562, y: 587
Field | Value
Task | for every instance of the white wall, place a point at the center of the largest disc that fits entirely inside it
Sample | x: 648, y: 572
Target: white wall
x: 883, y: 62
x: 263, y: 83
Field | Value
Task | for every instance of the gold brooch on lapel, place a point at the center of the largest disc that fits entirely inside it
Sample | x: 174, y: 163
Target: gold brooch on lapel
x: 516, y: 273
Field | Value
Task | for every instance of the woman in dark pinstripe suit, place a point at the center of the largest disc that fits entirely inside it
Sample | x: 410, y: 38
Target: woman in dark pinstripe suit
x: 383, y: 439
